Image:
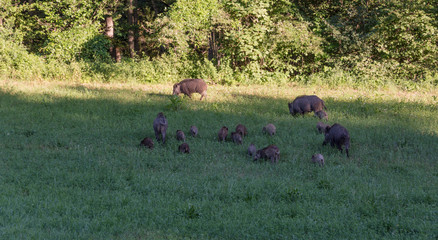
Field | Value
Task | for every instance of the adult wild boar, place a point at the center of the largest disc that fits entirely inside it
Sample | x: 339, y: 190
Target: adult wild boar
x: 337, y: 135
x: 160, y: 127
x: 189, y: 86
x: 306, y: 103
x: 270, y: 152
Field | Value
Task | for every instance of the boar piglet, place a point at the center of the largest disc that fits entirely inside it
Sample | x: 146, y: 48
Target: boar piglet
x: 337, y: 135
x: 318, y: 158
x: 252, y: 150
x: 147, y: 142
x: 194, y: 131
x: 269, y: 129
x: 184, y: 148
x: 270, y: 152
x: 189, y: 86
x: 306, y: 103
x: 237, y: 138
x: 222, y: 134
x: 180, y: 136
x: 160, y: 127
x: 241, y: 129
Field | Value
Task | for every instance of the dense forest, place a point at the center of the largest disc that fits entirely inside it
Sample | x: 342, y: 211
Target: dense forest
x: 367, y: 42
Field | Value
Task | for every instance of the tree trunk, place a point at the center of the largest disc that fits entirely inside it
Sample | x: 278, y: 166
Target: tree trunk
x: 109, y: 32
x: 213, y: 48
x: 131, y: 33
x: 109, y: 27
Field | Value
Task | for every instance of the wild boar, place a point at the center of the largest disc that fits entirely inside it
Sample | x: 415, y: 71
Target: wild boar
x: 237, y: 138
x: 147, y: 142
x: 269, y: 129
x: 222, y: 134
x: 306, y: 103
x: 321, y: 115
x: 240, y: 128
x: 184, y: 148
x: 318, y: 158
x: 321, y: 127
x: 194, y: 131
x: 252, y: 150
x: 337, y: 135
x: 189, y: 86
x: 270, y: 152
x: 180, y: 136
x: 160, y: 127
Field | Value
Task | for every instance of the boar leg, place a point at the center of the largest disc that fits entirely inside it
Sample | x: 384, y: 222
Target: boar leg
x: 203, y: 95
x: 163, y: 136
x: 339, y: 147
x: 157, y: 136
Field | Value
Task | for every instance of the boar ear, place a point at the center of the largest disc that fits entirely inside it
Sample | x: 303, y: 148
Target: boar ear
x: 327, y: 128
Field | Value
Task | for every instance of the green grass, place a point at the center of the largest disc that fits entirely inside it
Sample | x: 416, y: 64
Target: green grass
x: 71, y: 166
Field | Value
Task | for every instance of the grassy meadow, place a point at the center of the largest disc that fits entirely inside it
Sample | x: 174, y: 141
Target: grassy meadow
x: 71, y: 166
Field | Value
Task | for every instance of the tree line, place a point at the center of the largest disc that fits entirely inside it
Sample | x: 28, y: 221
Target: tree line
x: 256, y: 39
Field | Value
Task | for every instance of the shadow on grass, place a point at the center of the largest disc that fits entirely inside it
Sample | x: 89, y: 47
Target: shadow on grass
x: 376, y: 128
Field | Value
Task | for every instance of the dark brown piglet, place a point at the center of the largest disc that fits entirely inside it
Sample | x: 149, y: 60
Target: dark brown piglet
x: 147, y: 142
x: 270, y: 152
x: 337, y: 135
x: 184, y: 148
x: 222, y: 134
x: 240, y: 128
x: 189, y: 86
x: 160, y: 127
x: 180, y: 136
x: 306, y: 103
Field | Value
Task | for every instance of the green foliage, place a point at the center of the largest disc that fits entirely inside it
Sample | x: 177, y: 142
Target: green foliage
x: 16, y: 61
x: 96, y: 49
x: 367, y: 43
x: 407, y: 39
x: 67, y: 46
x: 176, y: 103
